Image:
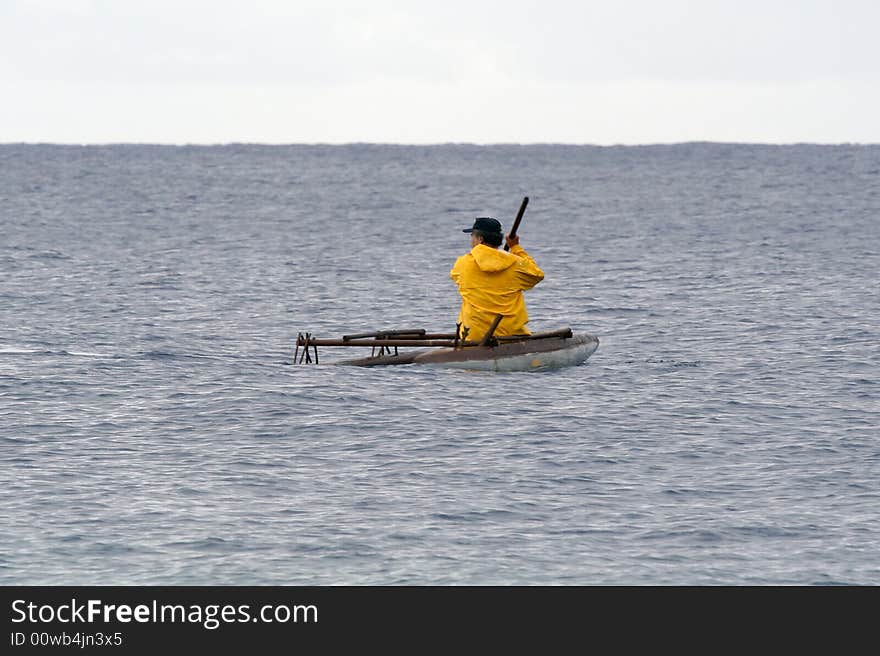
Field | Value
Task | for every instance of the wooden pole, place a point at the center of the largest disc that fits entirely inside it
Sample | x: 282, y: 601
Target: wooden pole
x: 519, y: 216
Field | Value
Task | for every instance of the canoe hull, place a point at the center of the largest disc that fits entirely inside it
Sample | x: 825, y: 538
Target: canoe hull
x: 516, y: 356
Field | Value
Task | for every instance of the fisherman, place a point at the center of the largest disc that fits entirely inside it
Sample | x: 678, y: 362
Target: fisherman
x: 491, y: 282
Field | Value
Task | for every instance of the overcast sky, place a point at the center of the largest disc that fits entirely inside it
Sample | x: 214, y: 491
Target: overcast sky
x: 513, y: 71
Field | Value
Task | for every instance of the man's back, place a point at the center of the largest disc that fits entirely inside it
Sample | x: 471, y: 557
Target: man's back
x: 491, y: 282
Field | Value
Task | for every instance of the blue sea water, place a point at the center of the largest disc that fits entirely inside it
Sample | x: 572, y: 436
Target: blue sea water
x: 154, y: 430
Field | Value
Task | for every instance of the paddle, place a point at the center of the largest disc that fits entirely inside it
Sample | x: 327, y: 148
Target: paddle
x: 519, y: 216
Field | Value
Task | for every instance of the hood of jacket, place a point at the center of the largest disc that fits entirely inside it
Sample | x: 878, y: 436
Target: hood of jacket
x: 492, y: 259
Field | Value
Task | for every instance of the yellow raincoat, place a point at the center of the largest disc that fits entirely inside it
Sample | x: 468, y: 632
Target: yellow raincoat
x: 491, y: 282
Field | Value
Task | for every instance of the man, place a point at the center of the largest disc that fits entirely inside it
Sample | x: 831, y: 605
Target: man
x: 491, y: 282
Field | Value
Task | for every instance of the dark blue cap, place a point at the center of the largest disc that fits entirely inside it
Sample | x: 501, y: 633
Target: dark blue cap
x: 485, y: 224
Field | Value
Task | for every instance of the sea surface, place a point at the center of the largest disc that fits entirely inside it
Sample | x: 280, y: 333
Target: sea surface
x: 155, y: 430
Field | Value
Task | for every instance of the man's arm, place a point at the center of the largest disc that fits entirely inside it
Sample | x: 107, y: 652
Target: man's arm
x: 528, y: 273
x: 455, y: 274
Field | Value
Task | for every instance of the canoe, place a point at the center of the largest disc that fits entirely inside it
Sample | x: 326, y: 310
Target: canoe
x: 547, y: 350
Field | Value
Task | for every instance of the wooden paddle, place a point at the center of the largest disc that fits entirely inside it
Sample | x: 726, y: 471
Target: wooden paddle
x: 519, y: 216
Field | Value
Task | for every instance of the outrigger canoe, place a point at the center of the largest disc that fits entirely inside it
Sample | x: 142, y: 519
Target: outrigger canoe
x: 545, y: 350
x: 557, y: 348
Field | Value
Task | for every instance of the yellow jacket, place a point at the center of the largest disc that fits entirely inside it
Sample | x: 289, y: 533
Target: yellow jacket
x: 491, y: 282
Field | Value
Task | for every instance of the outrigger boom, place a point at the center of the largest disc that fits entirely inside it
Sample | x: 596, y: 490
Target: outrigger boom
x: 422, y: 338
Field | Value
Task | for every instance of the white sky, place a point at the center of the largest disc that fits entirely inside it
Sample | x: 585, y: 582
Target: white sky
x: 493, y: 71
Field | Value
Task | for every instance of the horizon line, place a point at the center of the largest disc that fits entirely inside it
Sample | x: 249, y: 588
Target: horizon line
x: 215, y: 144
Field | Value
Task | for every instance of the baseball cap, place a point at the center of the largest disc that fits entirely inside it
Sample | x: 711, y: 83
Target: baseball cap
x: 485, y: 224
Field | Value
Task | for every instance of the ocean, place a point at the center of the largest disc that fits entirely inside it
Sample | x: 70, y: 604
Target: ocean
x: 154, y: 429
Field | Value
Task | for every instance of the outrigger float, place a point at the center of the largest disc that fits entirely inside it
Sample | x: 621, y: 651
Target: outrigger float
x: 543, y: 350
